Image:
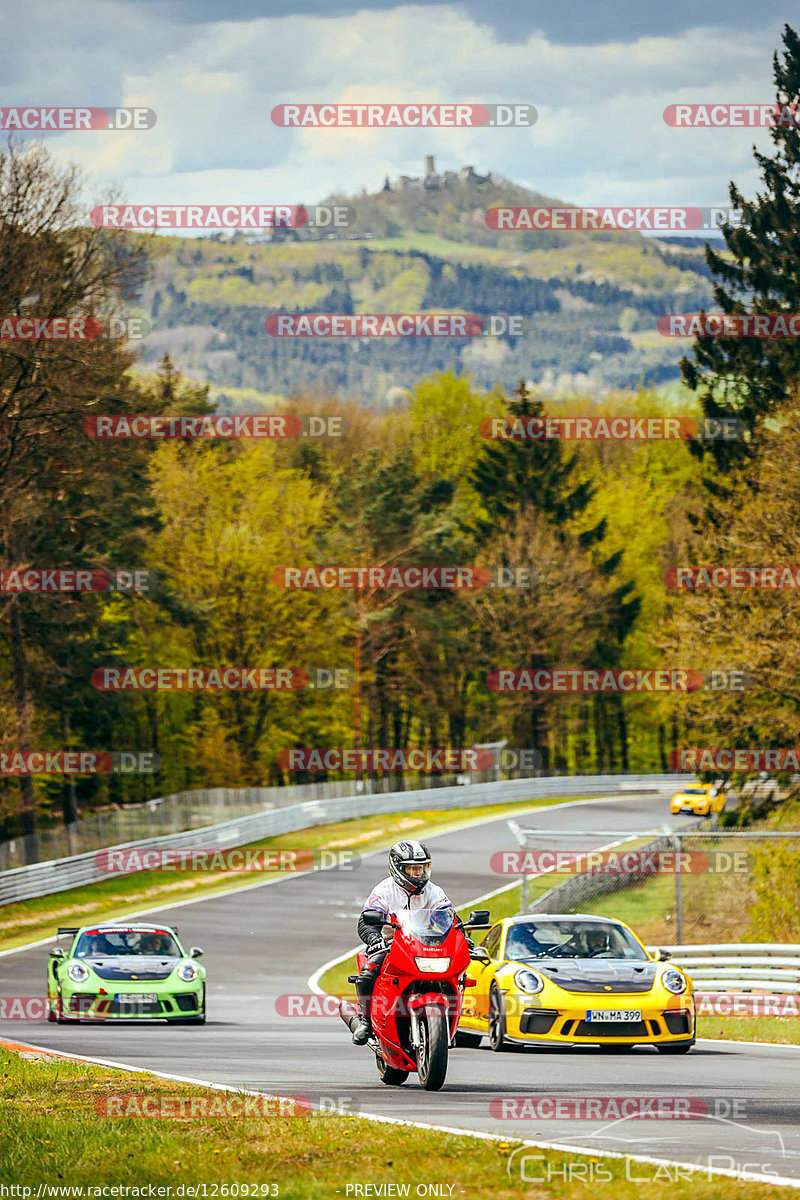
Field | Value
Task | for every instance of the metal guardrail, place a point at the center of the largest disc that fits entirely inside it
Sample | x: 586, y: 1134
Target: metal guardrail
x: 56, y: 875
x: 742, y: 966
x: 174, y: 813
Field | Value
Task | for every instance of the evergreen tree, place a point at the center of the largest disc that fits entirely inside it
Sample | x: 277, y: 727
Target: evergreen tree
x: 750, y: 377
x: 520, y: 479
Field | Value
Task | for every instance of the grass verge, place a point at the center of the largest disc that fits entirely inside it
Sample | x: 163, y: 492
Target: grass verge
x: 121, y: 895
x: 54, y: 1136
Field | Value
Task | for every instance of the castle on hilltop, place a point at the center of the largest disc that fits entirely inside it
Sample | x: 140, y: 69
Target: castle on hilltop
x: 432, y: 181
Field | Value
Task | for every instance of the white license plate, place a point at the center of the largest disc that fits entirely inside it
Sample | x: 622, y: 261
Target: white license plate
x: 614, y: 1014
x: 133, y: 999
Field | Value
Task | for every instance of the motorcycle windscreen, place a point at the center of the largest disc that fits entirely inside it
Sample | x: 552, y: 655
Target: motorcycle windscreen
x: 428, y: 925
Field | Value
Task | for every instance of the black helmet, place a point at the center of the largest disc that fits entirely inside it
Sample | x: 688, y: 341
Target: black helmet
x: 404, y: 855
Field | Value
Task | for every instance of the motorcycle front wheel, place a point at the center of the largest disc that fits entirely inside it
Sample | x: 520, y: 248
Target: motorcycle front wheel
x: 432, y: 1049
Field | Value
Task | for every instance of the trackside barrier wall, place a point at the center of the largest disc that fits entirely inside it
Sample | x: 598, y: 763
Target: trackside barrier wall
x: 44, y: 878
x: 742, y: 966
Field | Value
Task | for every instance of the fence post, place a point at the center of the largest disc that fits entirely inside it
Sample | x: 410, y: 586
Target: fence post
x: 678, y: 892
x: 524, y: 898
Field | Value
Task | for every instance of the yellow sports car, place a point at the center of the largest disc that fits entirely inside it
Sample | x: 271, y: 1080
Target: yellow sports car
x: 700, y: 799
x: 575, y: 980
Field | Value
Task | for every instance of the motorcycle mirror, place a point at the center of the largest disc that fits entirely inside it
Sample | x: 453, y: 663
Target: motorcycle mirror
x: 372, y: 916
x: 478, y: 918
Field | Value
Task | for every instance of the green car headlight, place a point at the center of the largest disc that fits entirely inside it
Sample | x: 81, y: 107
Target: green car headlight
x: 187, y: 972
x: 674, y: 981
x: 528, y: 981
x: 77, y: 972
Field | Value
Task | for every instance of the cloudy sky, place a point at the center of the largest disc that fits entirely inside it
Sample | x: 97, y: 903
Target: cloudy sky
x: 599, y: 74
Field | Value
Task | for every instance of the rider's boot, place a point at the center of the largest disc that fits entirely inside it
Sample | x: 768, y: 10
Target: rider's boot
x: 363, y: 1030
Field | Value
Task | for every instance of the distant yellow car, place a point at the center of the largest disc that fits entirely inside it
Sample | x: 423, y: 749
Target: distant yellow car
x: 571, y: 980
x: 700, y: 799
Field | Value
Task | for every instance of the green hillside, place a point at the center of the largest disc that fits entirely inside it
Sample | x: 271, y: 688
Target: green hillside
x: 591, y: 300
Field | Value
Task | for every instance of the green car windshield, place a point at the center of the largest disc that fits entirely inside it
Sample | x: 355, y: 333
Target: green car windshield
x: 103, y: 943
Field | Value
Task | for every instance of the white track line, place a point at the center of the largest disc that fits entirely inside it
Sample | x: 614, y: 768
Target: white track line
x: 749, y: 1176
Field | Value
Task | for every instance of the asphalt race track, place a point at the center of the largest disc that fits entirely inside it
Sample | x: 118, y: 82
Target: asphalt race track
x: 267, y: 941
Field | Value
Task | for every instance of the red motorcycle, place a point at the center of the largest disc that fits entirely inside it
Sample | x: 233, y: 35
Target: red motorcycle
x: 419, y: 992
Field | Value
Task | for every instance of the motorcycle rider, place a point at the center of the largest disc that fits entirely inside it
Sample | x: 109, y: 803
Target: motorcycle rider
x: 407, y: 886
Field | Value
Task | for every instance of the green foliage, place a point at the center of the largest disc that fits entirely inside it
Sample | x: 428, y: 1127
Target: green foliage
x: 752, y: 377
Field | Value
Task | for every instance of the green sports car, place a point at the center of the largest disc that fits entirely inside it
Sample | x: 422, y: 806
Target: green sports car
x: 125, y: 971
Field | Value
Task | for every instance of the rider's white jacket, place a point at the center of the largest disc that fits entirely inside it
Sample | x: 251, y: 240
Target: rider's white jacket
x: 388, y: 897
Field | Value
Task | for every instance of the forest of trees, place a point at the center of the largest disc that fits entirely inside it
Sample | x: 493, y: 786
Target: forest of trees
x: 596, y: 523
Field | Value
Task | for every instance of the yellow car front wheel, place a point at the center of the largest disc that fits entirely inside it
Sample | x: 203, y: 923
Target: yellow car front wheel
x: 497, y: 1021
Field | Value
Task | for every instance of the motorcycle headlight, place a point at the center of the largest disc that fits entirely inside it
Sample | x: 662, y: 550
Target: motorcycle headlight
x: 77, y: 972
x: 187, y: 972
x: 528, y: 981
x: 673, y: 981
x: 433, y: 966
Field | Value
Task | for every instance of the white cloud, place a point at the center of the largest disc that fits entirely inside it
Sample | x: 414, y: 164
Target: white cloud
x: 600, y: 135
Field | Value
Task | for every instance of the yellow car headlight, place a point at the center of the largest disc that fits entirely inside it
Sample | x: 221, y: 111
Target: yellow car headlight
x: 674, y: 981
x: 528, y: 981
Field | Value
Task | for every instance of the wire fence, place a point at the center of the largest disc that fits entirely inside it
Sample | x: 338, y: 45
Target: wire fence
x: 212, y: 806
x: 701, y: 885
x: 163, y: 815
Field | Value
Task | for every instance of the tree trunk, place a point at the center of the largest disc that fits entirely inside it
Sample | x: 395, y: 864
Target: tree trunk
x: 22, y: 705
x: 539, y: 734
x: 662, y: 748
x: 69, y: 803
x: 622, y: 726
